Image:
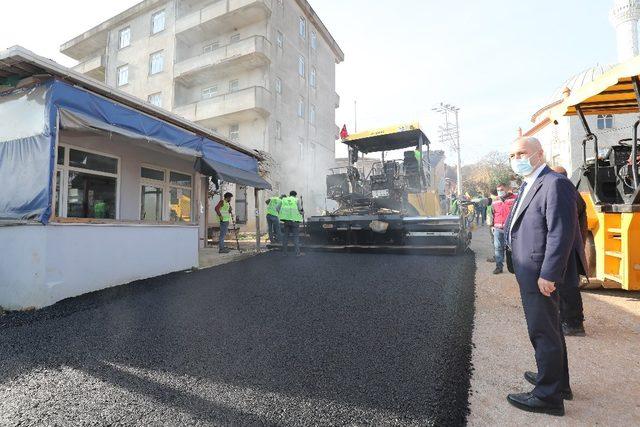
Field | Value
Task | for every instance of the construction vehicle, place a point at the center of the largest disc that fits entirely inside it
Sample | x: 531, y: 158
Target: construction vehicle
x: 610, y: 184
x: 390, y: 207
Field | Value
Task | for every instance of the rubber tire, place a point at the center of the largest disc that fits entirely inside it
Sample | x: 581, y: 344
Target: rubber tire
x: 590, y: 254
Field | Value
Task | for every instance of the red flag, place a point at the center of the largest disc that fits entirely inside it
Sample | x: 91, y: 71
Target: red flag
x: 343, y: 133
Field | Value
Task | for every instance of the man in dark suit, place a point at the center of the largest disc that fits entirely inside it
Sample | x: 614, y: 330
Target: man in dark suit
x: 544, y: 248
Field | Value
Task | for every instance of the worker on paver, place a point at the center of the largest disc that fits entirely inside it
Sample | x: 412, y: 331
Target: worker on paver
x: 291, y: 215
x: 454, y: 209
x: 224, y: 212
x: 571, y: 308
x: 273, y: 219
x: 501, y: 207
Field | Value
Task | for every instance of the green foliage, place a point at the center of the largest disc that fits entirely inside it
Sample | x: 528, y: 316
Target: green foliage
x: 485, y: 175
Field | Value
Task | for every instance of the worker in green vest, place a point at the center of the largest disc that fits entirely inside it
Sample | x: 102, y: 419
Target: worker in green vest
x: 291, y: 214
x: 455, y: 205
x: 224, y: 211
x: 273, y: 219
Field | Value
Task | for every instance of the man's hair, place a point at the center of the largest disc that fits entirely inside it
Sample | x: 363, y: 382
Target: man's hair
x: 293, y: 193
x: 228, y: 195
x: 502, y: 184
x: 494, y: 192
x: 282, y: 196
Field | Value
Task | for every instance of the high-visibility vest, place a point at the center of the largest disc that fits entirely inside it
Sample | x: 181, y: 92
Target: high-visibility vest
x: 272, y: 208
x: 418, y: 155
x: 225, y: 210
x: 289, y: 210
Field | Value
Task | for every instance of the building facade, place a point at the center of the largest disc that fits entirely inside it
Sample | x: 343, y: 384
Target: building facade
x: 261, y: 72
x: 562, y: 143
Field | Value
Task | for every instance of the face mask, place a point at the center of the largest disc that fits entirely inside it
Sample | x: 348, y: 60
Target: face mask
x: 502, y: 193
x: 522, y: 167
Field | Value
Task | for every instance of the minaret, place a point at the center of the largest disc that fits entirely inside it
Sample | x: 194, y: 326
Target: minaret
x: 624, y: 16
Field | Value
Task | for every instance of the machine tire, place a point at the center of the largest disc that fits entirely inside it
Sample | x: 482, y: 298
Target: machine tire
x: 590, y: 254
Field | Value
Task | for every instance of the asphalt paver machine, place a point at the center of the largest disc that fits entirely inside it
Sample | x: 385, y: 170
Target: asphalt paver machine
x: 609, y: 183
x: 391, y: 206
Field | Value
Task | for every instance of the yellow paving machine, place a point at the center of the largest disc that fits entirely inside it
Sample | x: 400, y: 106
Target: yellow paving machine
x: 610, y: 184
x: 390, y: 207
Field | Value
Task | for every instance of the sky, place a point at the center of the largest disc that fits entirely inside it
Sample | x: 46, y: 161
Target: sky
x: 497, y: 60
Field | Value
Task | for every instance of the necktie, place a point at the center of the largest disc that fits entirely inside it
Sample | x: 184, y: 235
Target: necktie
x: 507, y: 229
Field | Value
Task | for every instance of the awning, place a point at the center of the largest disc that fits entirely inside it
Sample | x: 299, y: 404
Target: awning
x: 611, y: 93
x: 387, y: 139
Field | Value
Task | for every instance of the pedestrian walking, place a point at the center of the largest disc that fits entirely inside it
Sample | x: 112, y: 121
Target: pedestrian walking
x: 224, y: 212
x: 500, y: 208
x: 571, y: 307
x: 544, y: 249
x: 291, y: 215
x: 273, y: 219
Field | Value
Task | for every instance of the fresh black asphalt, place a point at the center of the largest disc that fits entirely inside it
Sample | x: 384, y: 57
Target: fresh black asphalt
x: 323, y: 339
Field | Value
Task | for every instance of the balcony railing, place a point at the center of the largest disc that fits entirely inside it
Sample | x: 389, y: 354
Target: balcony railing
x: 93, y: 67
x: 256, y: 98
x: 256, y: 50
x: 218, y: 10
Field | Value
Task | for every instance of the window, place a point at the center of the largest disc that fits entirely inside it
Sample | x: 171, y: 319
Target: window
x: 234, y: 38
x: 278, y: 86
x: 314, y: 40
x: 124, y: 38
x: 234, y: 85
x: 234, y: 132
x: 209, y: 92
x: 158, y: 185
x: 123, y: 75
x: 156, y: 62
x: 280, y: 39
x: 210, y: 47
x: 241, y: 205
x: 301, y: 149
x: 312, y: 115
x: 278, y: 130
x: 155, y: 99
x: 605, y: 121
x: 301, y: 72
x: 301, y: 107
x: 86, y: 184
x: 157, y: 22
x: 302, y: 28
x: 312, y: 77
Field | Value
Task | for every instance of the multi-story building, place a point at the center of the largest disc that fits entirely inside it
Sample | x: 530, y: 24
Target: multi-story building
x: 261, y: 72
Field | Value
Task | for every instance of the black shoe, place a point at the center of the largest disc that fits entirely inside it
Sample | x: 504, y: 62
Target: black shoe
x: 224, y: 251
x: 532, y: 378
x: 492, y: 259
x: 573, y: 330
x: 498, y: 270
x: 528, y: 402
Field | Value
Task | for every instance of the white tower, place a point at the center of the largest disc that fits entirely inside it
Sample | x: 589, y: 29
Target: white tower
x: 625, y: 16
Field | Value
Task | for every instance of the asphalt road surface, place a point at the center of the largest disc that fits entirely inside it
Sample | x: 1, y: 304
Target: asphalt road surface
x: 324, y: 339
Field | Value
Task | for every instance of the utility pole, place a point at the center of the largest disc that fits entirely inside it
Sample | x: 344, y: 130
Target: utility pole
x: 450, y: 136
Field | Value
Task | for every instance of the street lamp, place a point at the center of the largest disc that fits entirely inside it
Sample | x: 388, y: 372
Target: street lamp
x: 450, y: 135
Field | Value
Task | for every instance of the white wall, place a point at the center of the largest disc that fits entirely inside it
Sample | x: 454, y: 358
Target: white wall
x: 40, y: 265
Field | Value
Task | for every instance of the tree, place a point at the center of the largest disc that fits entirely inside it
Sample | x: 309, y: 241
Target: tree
x: 485, y: 175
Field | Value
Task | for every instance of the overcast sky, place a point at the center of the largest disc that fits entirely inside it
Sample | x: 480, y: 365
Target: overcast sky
x: 498, y: 60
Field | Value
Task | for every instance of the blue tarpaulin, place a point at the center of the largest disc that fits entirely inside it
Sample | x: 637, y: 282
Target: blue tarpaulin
x: 28, y: 128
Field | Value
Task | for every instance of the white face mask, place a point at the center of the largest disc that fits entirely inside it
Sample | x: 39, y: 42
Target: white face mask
x: 502, y: 193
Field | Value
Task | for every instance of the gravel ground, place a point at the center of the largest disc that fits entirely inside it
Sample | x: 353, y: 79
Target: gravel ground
x: 323, y: 339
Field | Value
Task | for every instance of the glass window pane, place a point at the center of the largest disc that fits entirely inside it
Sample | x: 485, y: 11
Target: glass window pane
x: 157, y: 22
x: 180, y: 204
x: 151, y: 206
x: 91, y: 196
x: 152, y: 174
x: 96, y: 162
x: 180, y: 179
x: 56, y: 196
x: 60, y: 160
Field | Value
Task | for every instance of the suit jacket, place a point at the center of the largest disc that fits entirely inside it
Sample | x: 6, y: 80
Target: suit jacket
x: 545, y: 235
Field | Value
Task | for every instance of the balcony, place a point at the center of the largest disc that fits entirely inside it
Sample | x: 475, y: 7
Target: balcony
x: 93, y: 67
x: 243, y: 105
x: 219, y: 17
x: 227, y: 60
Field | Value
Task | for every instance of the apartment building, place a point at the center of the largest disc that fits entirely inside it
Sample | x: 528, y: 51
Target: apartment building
x: 259, y: 72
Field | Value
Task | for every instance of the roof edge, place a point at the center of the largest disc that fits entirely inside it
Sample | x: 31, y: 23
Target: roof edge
x: 333, y: 44
x: 73, y: 77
